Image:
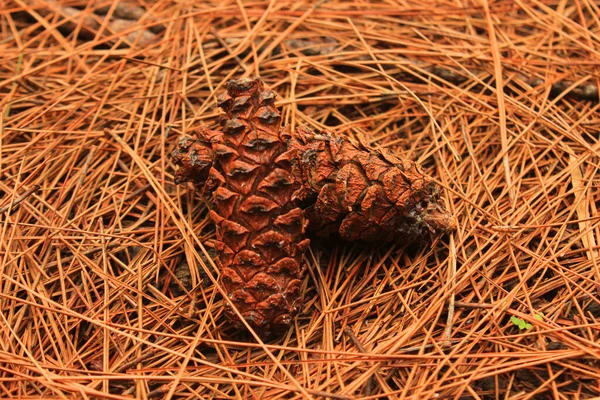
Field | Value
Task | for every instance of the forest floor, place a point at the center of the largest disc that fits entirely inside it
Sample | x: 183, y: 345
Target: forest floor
x: 107, y: 287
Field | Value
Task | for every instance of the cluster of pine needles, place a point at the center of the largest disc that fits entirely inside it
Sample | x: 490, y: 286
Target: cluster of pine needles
x: 108, y: 291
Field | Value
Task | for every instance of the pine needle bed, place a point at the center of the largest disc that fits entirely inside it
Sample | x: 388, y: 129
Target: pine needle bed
x: 108, y: 291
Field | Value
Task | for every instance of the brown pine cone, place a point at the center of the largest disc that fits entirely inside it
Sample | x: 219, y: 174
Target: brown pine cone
x: 260, y: 230
x: 258, y: 174
x: 358, y: 193
x: 363, y: 194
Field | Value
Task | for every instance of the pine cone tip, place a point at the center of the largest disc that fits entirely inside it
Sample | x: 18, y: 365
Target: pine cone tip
x: 440, y: 221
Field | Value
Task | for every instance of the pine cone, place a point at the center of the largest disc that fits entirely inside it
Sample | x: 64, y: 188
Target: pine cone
x: 363, y: 194
x: 260, y: 231
x: 258, y: 173
x: 347, y: 190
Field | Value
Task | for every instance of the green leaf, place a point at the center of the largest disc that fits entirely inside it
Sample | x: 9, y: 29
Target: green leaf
x: 517, y: 321
x: 520, y: 323
x: 539, y: 316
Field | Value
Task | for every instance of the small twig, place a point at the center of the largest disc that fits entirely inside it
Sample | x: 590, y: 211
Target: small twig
x: 160, y: 392
x: 354, y: 340
x: 19, y: 199
x: 359, y: 346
